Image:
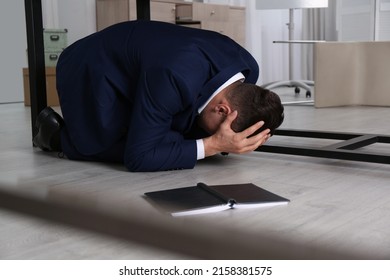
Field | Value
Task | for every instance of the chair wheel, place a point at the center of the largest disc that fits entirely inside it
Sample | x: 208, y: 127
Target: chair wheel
x: 297, y: 90
x: 308, y: 94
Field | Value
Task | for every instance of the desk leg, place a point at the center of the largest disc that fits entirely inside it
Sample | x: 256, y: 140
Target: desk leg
x: 143, y: 9
x: 36, y: 59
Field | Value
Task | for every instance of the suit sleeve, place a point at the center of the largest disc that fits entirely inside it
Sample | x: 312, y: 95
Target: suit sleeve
x: 151, y: 143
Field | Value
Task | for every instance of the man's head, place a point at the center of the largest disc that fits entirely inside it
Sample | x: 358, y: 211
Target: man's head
x: 253, y: 104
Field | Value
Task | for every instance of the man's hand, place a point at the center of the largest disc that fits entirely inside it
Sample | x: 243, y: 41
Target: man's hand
x: 226, y: 140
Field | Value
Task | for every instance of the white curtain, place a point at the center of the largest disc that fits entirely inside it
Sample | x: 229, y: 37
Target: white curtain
x: 78, y: 16
x: 50, y: 14
x: 382, y: 28
x: 262, y: 28
x: 317, y: 24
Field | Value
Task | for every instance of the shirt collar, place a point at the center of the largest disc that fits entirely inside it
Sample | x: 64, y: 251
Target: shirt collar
x: 238, y: 77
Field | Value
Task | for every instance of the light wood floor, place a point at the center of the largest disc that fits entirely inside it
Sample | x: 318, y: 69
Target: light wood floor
x: 334, y: 203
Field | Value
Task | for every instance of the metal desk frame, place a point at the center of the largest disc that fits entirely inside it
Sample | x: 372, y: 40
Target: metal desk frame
x: 344, y: 150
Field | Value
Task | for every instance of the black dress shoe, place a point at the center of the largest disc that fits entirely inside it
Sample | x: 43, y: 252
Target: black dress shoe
x: 49, y: 125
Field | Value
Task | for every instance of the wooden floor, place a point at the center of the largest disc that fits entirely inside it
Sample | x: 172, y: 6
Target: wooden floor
x: 335, y: 204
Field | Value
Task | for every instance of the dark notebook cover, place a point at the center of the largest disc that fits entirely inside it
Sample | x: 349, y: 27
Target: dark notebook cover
x: 205, y: 199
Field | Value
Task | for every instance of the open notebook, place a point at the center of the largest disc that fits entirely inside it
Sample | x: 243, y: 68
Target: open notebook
x: 203, y: 198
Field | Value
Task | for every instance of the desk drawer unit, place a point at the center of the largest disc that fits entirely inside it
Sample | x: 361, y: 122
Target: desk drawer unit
x: 202, y: 12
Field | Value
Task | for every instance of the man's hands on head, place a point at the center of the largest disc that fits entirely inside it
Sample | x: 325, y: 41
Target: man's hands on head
x: 226, y: 140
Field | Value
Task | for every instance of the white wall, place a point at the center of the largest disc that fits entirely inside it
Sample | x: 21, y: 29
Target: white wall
x: 13, y: 50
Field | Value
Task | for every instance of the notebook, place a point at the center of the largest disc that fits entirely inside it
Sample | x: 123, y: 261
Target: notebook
x: 202, y: 198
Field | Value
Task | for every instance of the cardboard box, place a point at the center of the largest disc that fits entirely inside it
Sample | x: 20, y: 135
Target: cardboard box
x: 51, y: 91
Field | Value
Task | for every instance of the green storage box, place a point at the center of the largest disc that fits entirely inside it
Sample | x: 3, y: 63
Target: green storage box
x: 51, y: 58
x: 55, y: 39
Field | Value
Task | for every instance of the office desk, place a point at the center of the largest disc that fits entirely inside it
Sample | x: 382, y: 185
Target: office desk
x: 38, y: 97
x: 317, y: 213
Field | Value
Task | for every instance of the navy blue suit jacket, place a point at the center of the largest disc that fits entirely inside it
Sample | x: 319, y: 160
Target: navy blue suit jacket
x: 141, y: 83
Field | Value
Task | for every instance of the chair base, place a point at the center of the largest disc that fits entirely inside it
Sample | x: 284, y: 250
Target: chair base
x: 298, y: 84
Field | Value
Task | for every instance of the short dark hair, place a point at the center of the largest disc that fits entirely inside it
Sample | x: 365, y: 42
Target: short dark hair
x: 253, y: 104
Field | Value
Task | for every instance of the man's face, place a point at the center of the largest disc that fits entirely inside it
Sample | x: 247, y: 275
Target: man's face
x: 210, y: 120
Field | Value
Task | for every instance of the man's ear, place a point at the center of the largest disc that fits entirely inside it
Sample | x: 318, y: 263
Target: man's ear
x: 223, y: 109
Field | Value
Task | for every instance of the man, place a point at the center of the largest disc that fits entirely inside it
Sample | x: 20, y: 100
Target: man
x: 157, y: 96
